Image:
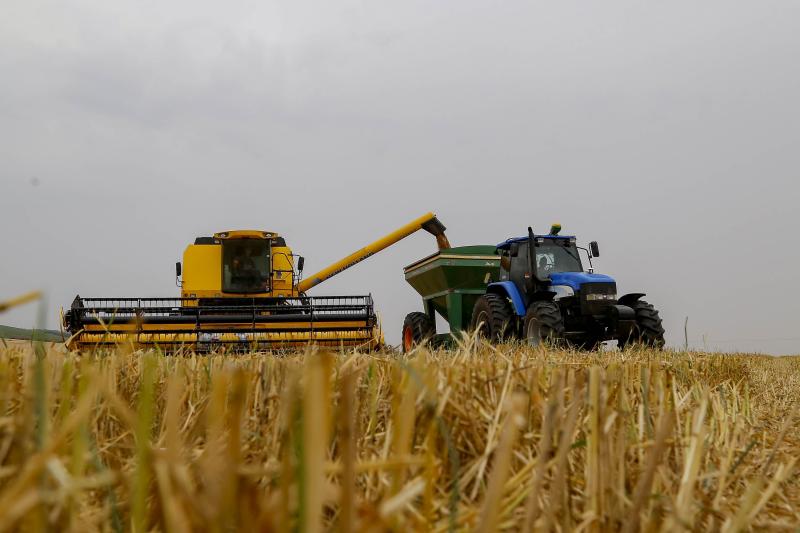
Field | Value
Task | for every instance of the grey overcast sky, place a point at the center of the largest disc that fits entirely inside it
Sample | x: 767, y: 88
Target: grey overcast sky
x: 667, y: 131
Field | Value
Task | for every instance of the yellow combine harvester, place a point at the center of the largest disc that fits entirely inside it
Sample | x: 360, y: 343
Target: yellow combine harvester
x: 241, y: 290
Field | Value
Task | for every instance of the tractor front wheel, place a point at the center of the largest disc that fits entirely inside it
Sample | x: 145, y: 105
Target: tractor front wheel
x: 543, y: 324
x: 492, y: 317
x: 648, y: 330
x: 418, y: 328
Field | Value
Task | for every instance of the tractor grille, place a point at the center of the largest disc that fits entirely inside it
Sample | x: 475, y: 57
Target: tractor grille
x: 597, y: 307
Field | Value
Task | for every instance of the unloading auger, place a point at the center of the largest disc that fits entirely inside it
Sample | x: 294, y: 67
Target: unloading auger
x: 241, y: 290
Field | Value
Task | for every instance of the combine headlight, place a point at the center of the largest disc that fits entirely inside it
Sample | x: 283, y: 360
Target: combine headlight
x: 596, y: 297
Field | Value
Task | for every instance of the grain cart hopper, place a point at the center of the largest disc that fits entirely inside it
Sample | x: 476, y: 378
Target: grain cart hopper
x: 243, y: 290
x: 540, y: 293
x: 450, y: 282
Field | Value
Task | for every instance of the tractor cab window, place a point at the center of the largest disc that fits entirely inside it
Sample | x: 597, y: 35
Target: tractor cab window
x: 505, y: 264
x: 245, y: 265
x: 505, y: 259
x: 556, y: 257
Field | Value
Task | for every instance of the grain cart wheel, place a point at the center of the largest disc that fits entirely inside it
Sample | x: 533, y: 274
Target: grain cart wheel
x: 418, y: 328
x: 492, y: 317
x: 648, y: 330
x: 543, y: 324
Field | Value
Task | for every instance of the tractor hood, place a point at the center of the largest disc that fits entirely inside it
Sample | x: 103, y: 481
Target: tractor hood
x: 576, y: 279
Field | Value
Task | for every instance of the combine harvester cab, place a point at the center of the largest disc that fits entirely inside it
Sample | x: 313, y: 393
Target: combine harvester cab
x: 241, y: 290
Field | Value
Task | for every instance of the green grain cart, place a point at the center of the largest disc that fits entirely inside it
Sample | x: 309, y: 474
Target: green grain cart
x: 450, y: 282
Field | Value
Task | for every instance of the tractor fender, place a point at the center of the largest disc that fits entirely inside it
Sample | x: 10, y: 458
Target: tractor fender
x: 620, y: 312
x: 623, y: 320
x: 630, y: 299
x: 509, y: 290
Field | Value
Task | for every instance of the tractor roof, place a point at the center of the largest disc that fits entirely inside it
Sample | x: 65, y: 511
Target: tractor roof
x: 505, y: 245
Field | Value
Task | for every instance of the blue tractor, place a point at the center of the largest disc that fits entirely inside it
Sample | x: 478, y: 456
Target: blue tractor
x: 545, y: 295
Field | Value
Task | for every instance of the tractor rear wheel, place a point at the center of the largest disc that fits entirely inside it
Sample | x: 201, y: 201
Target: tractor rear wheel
x: 543, y: 324
x: 648, y: 330
x: 418, y: 328
x: 492, y: 317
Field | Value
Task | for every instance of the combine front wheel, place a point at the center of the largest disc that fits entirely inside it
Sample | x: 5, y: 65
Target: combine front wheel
x: 418, y: 328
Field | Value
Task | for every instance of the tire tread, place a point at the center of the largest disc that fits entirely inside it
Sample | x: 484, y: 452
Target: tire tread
x: 500, y: 316
x: 649, y: 326
x: 550, y: 320
x: 422, y: 327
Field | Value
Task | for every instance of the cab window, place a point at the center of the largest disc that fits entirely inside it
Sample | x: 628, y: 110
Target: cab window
x: 557, y: 258
x: 245, y: 266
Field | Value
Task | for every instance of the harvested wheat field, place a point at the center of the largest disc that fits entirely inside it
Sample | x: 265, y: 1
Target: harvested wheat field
x: 483, y: 438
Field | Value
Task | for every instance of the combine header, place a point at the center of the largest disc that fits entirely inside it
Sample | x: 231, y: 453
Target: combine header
x: 241, y: 290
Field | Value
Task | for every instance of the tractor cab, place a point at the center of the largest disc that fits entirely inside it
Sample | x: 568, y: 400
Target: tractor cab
x: 544, y: 266
x: 550, y: 254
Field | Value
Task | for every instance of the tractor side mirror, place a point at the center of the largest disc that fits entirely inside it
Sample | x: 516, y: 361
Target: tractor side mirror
x: 595, y: 249
x: 178, y: 269
x: 514, y: 249
x: 301, y: 261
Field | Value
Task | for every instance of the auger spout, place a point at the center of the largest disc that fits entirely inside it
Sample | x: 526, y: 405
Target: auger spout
x: 428, y: 222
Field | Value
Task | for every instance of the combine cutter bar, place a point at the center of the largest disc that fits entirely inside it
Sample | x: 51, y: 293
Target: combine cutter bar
x: 259, y: 323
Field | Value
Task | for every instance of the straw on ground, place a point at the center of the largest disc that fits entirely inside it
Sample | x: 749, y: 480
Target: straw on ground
x: 483, y: 438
